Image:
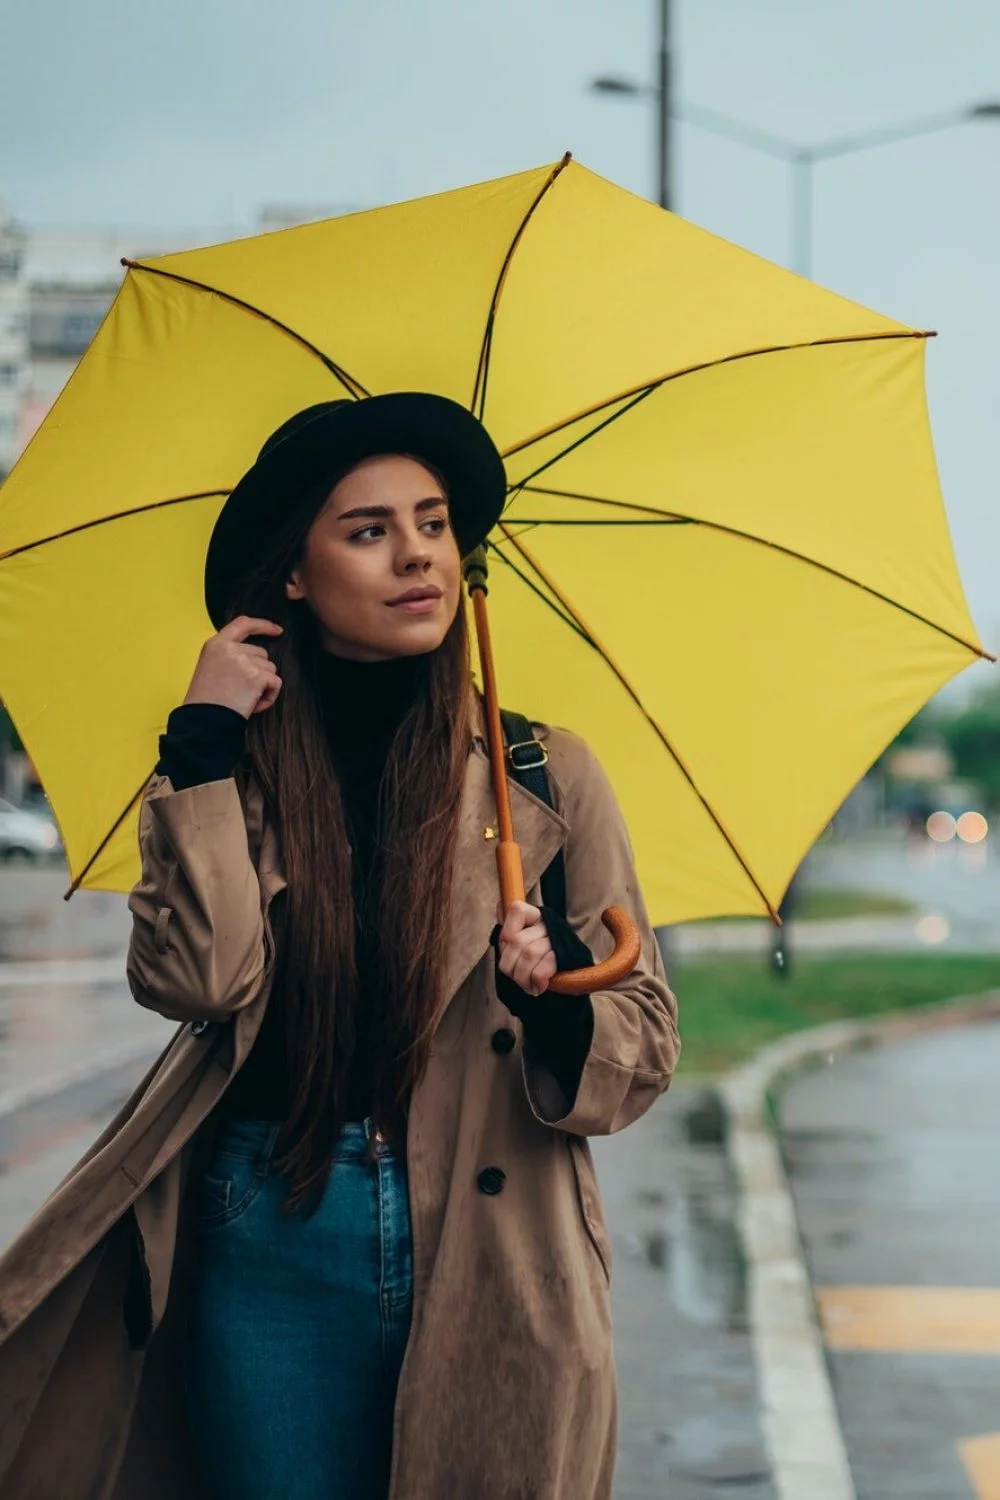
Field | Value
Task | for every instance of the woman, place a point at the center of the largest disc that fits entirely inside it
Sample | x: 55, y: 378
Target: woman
x: 346, y: 1238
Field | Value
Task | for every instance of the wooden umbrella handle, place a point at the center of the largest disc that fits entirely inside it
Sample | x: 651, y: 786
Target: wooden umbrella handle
x: 619, y: 924
x: 622, y: 927
x: 618, y: 965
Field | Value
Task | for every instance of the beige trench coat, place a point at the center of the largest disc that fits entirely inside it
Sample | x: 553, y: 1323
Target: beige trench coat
x: 507, y: 1390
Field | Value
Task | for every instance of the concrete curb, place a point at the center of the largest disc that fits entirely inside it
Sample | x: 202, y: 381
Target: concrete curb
x: 799, y: 1415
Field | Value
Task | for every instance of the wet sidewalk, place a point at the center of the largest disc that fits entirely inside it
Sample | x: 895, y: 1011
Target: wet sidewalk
x: 893, y: 1155
x: 689, y: 1424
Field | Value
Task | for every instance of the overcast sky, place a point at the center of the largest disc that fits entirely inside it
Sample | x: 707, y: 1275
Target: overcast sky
x: 200, y: 112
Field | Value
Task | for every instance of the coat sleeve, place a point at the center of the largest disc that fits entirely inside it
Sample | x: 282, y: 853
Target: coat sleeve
x: 635, y: 1044
x: 197, y: 950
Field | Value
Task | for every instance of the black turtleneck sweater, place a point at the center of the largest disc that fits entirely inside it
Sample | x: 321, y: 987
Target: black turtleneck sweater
x: 362, y: 705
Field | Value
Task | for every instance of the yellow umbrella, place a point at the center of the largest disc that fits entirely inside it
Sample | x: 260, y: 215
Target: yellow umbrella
x: 725, y: 559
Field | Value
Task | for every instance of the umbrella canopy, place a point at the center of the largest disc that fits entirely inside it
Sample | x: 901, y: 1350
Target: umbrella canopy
x: 725, y: 558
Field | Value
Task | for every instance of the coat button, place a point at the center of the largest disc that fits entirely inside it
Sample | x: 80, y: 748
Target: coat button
x: 491, y: 1180
x: 198, y: 1028
x: 503, y: 1041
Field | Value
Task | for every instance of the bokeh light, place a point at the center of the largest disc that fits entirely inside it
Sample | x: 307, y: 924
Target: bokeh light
x: 972, y: 828
x: 933, y: 929
x: 941, y: 827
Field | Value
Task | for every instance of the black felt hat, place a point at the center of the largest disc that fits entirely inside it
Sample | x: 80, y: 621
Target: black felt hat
x: 329, y: 438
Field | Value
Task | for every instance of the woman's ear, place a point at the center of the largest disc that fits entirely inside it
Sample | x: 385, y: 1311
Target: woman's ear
x: 293, y: 587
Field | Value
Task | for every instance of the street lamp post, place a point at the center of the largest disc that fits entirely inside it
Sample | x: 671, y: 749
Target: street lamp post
x: 664, y: 111
x: 662, y: 92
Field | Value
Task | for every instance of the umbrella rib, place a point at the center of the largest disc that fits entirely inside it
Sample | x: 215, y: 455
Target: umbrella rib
x: 119, y: 515
x: 531, y: 522
x: 483, y: 368
x: 661, y: 736
x: 649, y: 386
x: 672, y: 517
x: 530, y: 583
x: 354, y: 387
x: 635, y: 398
x: 78, y: 881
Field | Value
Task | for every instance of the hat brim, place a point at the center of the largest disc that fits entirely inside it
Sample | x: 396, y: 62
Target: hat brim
x: 448, y: 436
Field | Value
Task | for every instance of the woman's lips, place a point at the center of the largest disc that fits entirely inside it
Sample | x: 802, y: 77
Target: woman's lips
x: 417, y: 601
x: 425, y: 606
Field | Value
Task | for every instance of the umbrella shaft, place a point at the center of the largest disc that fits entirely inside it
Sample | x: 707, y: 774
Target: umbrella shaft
x: 508, y: 852
x: 511, y: 873
x: 494, y: 728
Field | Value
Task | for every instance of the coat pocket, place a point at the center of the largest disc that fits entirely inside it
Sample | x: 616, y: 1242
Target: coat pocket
x: 589, y: 1199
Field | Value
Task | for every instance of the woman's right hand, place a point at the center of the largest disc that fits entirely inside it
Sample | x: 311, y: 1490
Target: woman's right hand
x: 234, y: 674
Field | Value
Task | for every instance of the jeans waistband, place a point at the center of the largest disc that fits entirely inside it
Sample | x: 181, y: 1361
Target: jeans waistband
x: 256, y: 1139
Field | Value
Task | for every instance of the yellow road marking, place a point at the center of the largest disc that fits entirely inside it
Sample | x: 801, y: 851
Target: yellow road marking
x: 981, y: 1457
x: 940, y: 1320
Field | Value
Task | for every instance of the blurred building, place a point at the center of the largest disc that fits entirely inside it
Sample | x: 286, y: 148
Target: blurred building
x: 288, y: 215
x: 56, y: 286
x: 55, y: 289
x: 13, y: 338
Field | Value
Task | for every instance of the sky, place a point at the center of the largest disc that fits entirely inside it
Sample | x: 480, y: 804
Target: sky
x: 202, y: 112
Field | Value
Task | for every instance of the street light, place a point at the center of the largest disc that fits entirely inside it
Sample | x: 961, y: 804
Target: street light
x: 802, y: 159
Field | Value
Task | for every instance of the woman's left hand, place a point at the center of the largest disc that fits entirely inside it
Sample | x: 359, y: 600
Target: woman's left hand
x: 526, y: 953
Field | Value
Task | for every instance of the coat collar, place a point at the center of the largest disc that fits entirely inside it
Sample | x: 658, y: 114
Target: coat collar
x: 540, y: 831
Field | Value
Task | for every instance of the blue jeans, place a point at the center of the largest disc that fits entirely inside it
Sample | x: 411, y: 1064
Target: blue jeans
x: 298, y: 1326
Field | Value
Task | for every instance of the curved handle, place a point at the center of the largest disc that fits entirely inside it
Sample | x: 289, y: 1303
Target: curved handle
x: 621, y: 962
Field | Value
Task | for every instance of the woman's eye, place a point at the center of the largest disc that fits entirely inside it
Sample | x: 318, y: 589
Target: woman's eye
x: 368, y: 532
x: 437, y: 524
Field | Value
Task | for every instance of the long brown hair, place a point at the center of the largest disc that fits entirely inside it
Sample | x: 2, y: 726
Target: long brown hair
x: 418, y: 818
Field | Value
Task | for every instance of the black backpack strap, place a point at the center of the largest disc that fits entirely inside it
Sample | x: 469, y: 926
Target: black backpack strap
x: 526, y: 761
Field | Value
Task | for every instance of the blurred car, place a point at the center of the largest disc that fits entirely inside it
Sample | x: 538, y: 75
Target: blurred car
x: 26, y: 835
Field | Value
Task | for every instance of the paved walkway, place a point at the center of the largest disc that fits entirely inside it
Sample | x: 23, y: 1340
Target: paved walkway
x: 894, y: 1160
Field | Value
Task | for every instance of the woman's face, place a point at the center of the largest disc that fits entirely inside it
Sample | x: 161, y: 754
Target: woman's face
x: 380, y: 568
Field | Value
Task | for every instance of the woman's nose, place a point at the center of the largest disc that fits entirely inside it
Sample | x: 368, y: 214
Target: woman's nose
x: 416, y: 556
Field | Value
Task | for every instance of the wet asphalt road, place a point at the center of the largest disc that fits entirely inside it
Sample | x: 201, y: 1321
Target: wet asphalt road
x: 37, y: 924
x: 958, y: 883
x: 894, y: 1160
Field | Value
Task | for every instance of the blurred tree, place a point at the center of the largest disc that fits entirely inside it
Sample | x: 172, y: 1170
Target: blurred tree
x: 9, y: 739
x: 923, y: 726
x: 973, y: 736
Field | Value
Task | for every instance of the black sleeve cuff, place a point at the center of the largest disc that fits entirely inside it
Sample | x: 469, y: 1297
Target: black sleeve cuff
x: 558, y: 1029
x: 570, y: 950
x: 203, y: 743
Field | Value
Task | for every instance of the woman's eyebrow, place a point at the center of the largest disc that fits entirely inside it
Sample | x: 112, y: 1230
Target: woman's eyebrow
x: 386, y: 512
